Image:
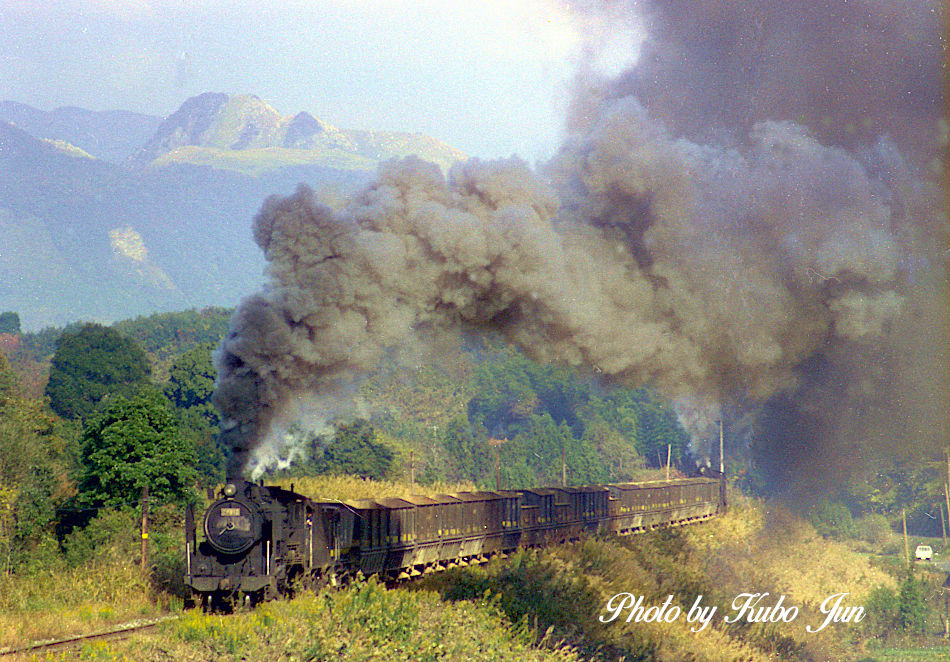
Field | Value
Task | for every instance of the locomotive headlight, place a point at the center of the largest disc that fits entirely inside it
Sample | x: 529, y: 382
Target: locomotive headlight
x: 230, y: 490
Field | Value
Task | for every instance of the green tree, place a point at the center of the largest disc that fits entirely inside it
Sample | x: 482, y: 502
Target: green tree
x: 90, y: 365
x: 832, y: 519
x: 190, y: 386
x: 9, y: 384
x: 882, y: 612
x: 904, y: 611
x: 211, y: 459
x: 913, y: 610
x: 509, y: 388
x: 132, y: 444
x: 191, y: 382
x: 35, y: 449
x: 9, y: 322
x: 356, y: 450
x: 470, y: 455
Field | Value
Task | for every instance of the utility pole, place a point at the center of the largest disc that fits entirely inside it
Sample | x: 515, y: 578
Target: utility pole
x: 669, y: 448
x: 906, y: 548
x: 946, y: 496
x: 144, y: 529
x: 721, y: 469
x: 495, y: 443
x: 943, y: 525
x: 563, y: 467
x: 497, y: 470
x: 412, y: 468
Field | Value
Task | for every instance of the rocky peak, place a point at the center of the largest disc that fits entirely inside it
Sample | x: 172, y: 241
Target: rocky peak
x: 185, y: 126
x: 213, y: 126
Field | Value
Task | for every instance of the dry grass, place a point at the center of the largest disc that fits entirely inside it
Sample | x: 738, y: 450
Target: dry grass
x: 71, y: 601
x: 765, y: 540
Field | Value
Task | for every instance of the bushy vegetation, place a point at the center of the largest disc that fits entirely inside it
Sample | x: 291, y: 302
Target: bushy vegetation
x: 91, y: 365
x: 564, y: 590
x: 494, y: 407
x: 132, y: 445
x: 9, y: 322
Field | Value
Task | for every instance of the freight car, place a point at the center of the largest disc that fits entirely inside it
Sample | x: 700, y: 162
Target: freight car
x: 260, y: 541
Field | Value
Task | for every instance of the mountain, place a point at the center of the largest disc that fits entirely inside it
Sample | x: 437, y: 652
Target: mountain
x: 110, y: 135
x: 94, y: 228
x: 246, y: 134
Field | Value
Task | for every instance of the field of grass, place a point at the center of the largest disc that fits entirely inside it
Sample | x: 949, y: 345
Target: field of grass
x: 908, y: 653
x: 255, y: 162
x: 536, y: 605
x: 362, y: 622
x: 74, y: 600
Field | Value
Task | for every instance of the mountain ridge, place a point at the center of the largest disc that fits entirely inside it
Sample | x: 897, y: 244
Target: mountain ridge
x: 102, y: 239
x: 238, y: 132
x: 220, y: 124
x: 109, y: 135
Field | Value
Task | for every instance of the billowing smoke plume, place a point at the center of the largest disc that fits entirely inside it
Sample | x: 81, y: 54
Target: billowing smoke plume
x: 849, y: 70
x: 709, y: 272
x: 771, y: 272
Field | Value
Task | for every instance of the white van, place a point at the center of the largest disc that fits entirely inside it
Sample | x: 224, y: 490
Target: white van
x: 923, y: 553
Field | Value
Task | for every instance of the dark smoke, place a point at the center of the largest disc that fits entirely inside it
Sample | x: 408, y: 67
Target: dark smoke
x: 772, y: 272
x: 851, y: 70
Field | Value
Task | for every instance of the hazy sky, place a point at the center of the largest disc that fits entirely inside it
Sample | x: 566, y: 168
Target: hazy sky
x: 491, y: 77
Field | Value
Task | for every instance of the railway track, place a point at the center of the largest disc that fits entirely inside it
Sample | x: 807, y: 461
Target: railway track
x: 122, y: 631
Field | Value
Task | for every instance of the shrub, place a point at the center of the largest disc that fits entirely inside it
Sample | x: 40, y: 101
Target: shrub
x: 912, y: 608
x: 832, y: 519
x: 904, y: 611
x: 874, y: 529
x: 881, y: 609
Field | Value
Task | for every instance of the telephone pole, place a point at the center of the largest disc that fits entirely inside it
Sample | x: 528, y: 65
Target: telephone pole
x: 144, y: 529
x: 906, y: 548
x: 563, y: 467
x: 721, y: 469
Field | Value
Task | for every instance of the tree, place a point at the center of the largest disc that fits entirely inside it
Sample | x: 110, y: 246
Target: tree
x: 36, y: 449
x: 832, y: 519
x: 90, y: 365
x: 913, y: 610
x: 8, y: 380
x: 191, y: 382
x: 470, y: 455
x: 132, y: 444
x: 355, y: 450
x: 9, y: 322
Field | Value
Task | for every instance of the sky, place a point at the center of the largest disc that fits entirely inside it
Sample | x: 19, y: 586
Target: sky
x: 491, y: 78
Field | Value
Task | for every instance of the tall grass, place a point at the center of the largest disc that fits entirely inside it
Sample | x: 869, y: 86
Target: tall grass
x: 753, y: 548
x: 361, y: 622
x: 65, y: 600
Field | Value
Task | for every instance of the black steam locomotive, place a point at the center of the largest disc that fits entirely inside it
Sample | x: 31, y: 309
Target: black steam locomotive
x: 260, y: 542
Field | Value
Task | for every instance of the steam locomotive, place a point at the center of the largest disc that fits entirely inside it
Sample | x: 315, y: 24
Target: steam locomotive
x: 259, y: 542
